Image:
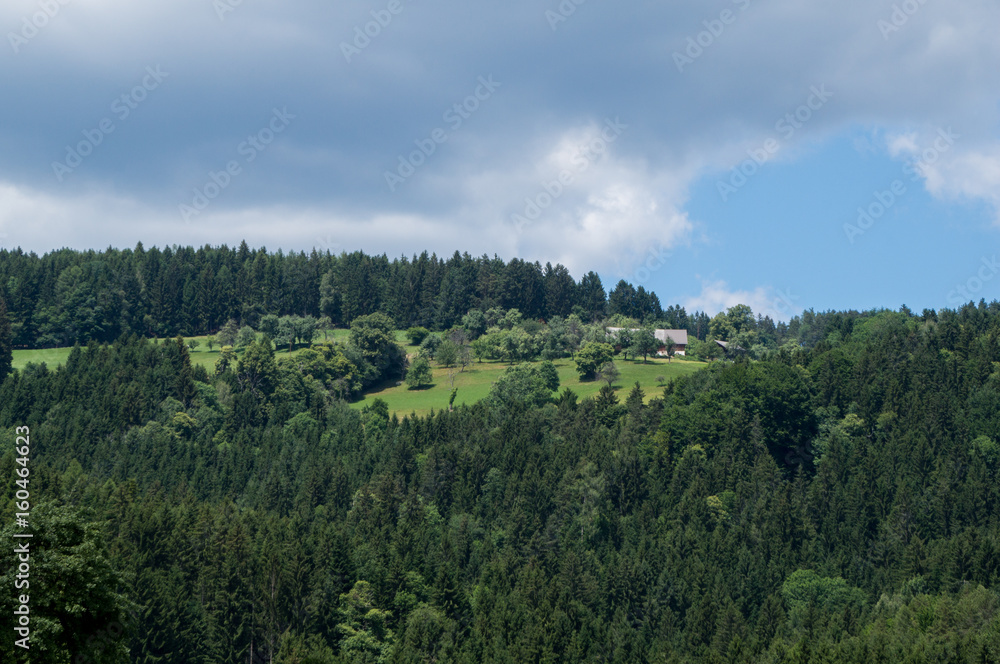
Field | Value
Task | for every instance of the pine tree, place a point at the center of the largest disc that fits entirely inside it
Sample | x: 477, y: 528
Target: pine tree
x: 6, y: 339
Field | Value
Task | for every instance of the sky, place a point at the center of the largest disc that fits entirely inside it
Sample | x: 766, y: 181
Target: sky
x: 777, y: 153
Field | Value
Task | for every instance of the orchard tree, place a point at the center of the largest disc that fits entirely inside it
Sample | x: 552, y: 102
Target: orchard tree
x: 609, y: 373
x: 592, y: 357
x: 644, y: 342
x: 419, y: 373
x: 245, y: 336
x: 227, y: 335
x: 447, y: 353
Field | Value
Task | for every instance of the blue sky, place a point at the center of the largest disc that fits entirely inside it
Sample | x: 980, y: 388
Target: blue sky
x: 717, y: 153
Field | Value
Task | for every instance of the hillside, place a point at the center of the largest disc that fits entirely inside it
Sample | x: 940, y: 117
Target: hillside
x: 836, y: 503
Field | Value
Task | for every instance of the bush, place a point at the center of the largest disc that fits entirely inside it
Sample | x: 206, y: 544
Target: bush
x: 416, y: 335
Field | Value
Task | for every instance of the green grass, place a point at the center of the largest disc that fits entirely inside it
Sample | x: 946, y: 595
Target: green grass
x: 201, y: 355
x: 52, y: 357
x: 474, y: 383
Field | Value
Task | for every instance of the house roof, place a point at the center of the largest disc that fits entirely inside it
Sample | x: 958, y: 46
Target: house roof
x: 679, y: 337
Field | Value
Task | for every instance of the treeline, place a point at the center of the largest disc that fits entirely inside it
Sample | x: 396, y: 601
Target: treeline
x: 67, y: 296
x: 836, y: 503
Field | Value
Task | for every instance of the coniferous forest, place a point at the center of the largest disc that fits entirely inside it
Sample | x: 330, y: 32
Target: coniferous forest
x: 831, y: 497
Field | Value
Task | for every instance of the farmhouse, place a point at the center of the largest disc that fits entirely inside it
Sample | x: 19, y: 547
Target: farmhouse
x: 679, y: 337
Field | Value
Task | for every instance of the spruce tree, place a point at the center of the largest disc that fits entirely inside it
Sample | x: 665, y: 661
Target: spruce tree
x: 6, y: 339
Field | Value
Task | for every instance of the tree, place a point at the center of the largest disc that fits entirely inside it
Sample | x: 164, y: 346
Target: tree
x: 245, y: 336
x: 74, y: 591
x: 329, y: 298
x: 591, y: 295
x: 419, y: 373
x: 416, y: 335
x: 609, y: 373
x: 429, y: 346
x: 622, y: 300
x: 624, y: 339
x: 644, y: 342
x: 6, y: 340
x: 226, y: 357
x: 324, y: 323
x: 227, y: 335
x: 549, y: 374
x: 523, y: 383
x: 447, y: 353
x: 670, y: 348
x: 256, y: 370
x: 367, y: 638
x: 474, y: 323
x: 270, y: 325
x: 193, y: 343
x: 592, y: 357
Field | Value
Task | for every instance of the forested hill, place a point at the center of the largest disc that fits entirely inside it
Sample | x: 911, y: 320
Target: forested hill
x: 67, y: 296
x: 837, y: 503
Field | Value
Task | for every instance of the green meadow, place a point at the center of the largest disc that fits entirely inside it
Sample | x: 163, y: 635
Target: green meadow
x: 473, y: 383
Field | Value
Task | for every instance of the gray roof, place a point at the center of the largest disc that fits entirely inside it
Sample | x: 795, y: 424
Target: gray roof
x: 679, y: 337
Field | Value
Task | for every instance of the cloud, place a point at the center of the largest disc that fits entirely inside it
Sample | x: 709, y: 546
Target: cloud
x: 716, y: 297
x: 354, y: 119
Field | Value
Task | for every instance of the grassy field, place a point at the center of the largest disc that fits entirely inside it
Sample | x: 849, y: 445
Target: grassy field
x: 474, y: 383
x: 201, y: 355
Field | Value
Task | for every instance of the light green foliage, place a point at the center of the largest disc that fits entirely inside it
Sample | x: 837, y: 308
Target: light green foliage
x: 227, y: 357
x: 367, y: 638
x: 227, y: 334
x: 429, y: 346
x: 245, y: 336
x: 76, y: 605
x: 806, y: 591
x: 256, y: 370
x: 373, y: 338
x: 447, y: 353
x: 523, y: 383
x: 592, y: 357
x: 645, y: 343
x: 416, y: 335
x: 419, y: 373
x: 474, y: 323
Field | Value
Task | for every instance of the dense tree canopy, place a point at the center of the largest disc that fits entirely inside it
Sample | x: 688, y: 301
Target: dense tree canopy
x: 829, y: 496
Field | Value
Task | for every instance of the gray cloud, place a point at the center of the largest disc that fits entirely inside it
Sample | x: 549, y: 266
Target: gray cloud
x: 325, y: 175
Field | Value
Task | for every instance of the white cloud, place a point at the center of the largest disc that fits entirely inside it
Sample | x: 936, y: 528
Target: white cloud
x: 716, y: 296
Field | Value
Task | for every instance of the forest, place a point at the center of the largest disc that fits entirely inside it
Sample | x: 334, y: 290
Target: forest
x: 68, y: 296
x: 828, y: 495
